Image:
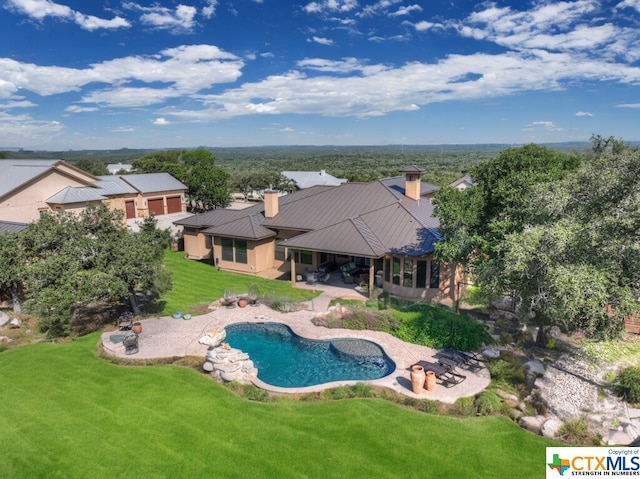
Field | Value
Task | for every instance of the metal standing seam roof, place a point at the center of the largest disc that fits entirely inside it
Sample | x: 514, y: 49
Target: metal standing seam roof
x: 153, y: 182
x: 114, y: 185
x: 307, y: 179
x: 247, y: 227
x: 15, y: 173
x: 71, y: 195
x: 12, y: 227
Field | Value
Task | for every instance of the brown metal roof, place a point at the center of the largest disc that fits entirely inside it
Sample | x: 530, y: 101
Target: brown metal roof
x: 359, y: 219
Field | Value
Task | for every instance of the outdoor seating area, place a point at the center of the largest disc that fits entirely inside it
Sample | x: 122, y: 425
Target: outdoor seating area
x: 445, y: 372
x: 469, y: 361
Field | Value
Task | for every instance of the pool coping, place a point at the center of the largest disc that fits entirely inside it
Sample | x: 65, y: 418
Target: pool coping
x: 166, y: 337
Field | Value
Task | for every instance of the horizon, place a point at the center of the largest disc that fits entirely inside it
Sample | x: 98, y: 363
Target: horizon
x: 78, y: 75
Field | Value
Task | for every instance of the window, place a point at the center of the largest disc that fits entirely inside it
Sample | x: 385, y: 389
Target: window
x: 234, y: 250
x: 303, y: 257
x: 227, y: 249
x: 396, y: 270
x: 387, y: 269
x: 241, y: 251
x: 279, y: 253
x: 434, y: 280
x: 407, y: 276
x: 421, y: 273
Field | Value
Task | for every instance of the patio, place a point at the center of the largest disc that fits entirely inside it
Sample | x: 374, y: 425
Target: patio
x: 166, y: 337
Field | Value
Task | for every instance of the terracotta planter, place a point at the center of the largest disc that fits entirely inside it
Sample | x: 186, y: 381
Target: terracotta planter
x: 417, y: 378
x: 242, y: 303
x: 137, y: 328
x: 430, y: 381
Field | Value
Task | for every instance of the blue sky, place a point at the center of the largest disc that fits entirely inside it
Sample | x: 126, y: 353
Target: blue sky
x: 76, y: 74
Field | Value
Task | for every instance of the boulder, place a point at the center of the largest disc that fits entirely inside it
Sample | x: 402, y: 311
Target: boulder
x: 534, y: 367
x: 532, y: 423
x: 551, y: 427
x: 4, y: 318
x: 5, y: 339
x: 207, y: 366
x: 491, y: 353
x: 213, y: 338
x: 15, y: 323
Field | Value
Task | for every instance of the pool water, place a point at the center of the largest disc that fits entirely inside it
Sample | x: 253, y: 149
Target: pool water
x: 287, y: 360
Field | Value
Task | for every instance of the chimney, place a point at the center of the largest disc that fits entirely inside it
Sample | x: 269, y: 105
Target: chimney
x: 270, y: 203
x: 322, y: 173
x: 412, y: 182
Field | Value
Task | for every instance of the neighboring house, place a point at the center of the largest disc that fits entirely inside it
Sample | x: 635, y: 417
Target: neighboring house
x: 463, y: 183
x: 115, y: 168
x: 386, y: 228
x: 307, y: 179
x: 30, y: 187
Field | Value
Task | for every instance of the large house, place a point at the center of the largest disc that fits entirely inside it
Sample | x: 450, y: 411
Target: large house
x: 383, y: 231
x: 30, y: 187
x: 307, y: 179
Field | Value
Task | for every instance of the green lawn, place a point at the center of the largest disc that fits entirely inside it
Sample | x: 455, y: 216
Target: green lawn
x: 68, y: 414
x: 196, y: 283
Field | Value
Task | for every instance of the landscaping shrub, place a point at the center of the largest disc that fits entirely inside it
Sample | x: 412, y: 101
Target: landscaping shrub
x: 507, y: 371
x: 627, y: 384
x: 253, y: 393
x: 488, y: 402
x: 464, y: 407
x: 575, y: 431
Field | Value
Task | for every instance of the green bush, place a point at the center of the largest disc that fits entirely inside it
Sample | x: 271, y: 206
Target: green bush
x: 488, y: 402
x: 506, y: 371
x: 627, y: 384
x: 464, y: 407
x: 253, y: 393
x: 575, y: 431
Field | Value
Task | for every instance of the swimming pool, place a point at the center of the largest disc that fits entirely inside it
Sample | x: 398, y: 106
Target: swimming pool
x: 287, y: 360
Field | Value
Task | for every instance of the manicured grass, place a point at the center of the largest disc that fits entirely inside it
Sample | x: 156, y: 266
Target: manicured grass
x: 68, y: 414
x: 196, y: 283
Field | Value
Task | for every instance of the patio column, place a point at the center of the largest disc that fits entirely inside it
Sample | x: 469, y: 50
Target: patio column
x: 293, y: 271
x: 372, y: 277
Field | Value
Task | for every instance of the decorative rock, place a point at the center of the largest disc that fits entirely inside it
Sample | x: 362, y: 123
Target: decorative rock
x: 213, y: 338
x: 532, y: 423
x: 551, y: 427
x: 15, y: 323
x: 535, y: 367
x: 5, y: 339
x: 491, y: 353
x: 4, y: 318
x: 207, y: 366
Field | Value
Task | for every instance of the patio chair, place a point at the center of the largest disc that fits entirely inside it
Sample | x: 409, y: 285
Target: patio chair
x: 130, y: 343
x: 470, y: 361
x: 444, y: 373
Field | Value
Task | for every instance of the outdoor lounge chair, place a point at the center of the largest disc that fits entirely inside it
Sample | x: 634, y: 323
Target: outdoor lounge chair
x: 130, y: 343
x: 444, y: 373
x: 470, y: 361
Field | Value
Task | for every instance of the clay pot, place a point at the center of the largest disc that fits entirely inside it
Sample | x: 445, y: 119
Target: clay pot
x: 137, y: 328
x: 242, y: 303
x: 417, y: 378
x: 430, y: 381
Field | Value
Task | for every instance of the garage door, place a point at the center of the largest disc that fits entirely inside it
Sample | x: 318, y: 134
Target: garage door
x: 174, y: 205
x: 156, y: 207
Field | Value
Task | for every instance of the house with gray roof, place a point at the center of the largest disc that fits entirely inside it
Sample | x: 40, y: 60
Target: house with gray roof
x: 30, y: 187
x: 307, y: 179
x: 379, y: 233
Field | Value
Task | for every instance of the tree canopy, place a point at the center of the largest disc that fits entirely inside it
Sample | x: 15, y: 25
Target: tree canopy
x: 69, y: 263
x: 206, y: 183
x: 558, y: 233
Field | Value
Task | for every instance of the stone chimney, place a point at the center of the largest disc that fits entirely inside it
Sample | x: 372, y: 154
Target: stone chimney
x: 270, y: 203
x: 412, y: 181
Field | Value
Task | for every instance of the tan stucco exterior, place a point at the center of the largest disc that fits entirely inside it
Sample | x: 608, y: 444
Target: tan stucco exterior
x: 25, y: 204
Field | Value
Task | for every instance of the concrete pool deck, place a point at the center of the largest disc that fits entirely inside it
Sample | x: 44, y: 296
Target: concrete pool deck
x: 166, y: 337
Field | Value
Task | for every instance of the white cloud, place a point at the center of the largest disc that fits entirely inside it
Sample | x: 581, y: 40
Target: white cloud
x: 545, y: 125
x: 629, y: 105
x: 161, y: 121
x: 327, y: 6
x: 635, y: 4
x: 209, y: 10
x: 180, y: 19
x: 41, y: 9
x: 321, y: 40
x: 583, y: 113
x: 406, y: 10
x: 287, y: 130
